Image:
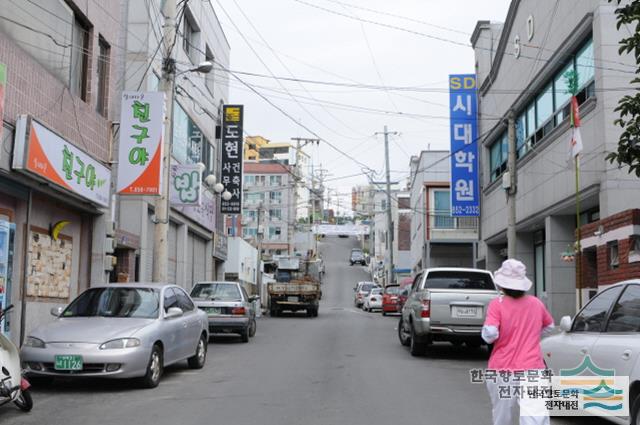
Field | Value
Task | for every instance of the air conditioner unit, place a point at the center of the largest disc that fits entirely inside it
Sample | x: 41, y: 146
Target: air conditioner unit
x: 110, y: 245
x: 110, y: 228
x: 110, y: 262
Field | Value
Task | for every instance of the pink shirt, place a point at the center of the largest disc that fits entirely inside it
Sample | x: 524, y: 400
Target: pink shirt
x: 520, y: 322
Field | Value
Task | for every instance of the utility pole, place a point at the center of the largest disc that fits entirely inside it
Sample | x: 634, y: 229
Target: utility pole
x: 161, y: 229
x: 259, y: 235
x: 390, y: 232
x: 512, y: 186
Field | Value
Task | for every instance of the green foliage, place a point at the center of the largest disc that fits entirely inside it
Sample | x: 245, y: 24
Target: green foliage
x: 571, y: 77
x: 628, y: 152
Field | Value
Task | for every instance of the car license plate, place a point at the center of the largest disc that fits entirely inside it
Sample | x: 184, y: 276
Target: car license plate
x: 292, y: 299
x: 463, y: 312
x: 68, y: 362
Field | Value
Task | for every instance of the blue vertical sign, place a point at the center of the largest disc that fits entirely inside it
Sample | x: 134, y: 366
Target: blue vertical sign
x: 465, y: 185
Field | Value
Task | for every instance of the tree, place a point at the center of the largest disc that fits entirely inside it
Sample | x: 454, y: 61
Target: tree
x: 628, y: 152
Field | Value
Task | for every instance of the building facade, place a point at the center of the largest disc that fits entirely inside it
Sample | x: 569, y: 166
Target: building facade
x: 269, y: 209
x: 242, y: 264
x: 437, y: 239
x: 196, y: 235
x: 58, y: 78
x: 515, y: 75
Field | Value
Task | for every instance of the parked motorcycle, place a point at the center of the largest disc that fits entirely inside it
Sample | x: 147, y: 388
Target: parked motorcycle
x: 13, y: 386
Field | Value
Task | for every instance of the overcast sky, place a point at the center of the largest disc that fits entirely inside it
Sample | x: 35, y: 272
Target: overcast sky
x: 296, y: 40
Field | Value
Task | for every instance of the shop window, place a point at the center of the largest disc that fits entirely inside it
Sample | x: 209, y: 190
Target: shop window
x: 103, y: 76
x: 612, y: 255
x: 634, y: 249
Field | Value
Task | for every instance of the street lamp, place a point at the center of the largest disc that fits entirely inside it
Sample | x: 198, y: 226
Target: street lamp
x: 218, y: 188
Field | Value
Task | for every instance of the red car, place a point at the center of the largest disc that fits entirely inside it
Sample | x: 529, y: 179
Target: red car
x: 390, y: 299
x: 402, y: 297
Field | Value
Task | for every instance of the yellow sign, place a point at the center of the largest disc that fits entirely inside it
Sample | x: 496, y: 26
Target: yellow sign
x: 232, y: 114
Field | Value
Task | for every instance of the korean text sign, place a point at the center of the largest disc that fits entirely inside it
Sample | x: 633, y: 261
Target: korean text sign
x: 465, y: 185
x: 186, y: 184
x: 141, y: 146
x: 232, y: 158
x: 41, y: 152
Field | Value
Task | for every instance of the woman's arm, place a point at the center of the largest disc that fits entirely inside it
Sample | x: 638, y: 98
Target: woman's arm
x: 490, y: 333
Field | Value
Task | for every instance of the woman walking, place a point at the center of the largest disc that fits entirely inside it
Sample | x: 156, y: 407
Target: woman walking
x: 515, y: 323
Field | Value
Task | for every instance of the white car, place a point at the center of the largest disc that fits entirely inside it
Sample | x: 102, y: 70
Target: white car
x: 607, y: 330
x: 373, y: 300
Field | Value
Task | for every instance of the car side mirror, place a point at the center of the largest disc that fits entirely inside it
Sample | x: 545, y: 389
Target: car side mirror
x: 565, y: 323
x: 57, y: 311
x: 173, y: 312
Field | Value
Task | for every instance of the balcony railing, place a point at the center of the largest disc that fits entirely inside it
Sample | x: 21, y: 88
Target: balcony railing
x: 444, y: 221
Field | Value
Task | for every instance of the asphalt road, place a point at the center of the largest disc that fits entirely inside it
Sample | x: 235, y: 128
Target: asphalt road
x: 343, y: 367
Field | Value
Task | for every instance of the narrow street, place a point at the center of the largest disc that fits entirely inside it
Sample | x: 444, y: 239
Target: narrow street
x: 344, y: 367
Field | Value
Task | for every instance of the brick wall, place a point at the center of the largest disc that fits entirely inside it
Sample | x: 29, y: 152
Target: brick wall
x: 615, y: 221
x: 32, y: 89
x: 624, y: 271
x: 404, y: 231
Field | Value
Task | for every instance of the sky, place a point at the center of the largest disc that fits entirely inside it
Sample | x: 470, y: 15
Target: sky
x: 413, y: 44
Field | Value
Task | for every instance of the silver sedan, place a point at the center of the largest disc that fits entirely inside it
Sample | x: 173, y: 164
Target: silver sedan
x: 119, y: 331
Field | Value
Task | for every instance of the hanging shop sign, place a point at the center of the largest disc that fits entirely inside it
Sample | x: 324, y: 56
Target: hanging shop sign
x: 185, y: 182
x: 232, y: 158
x: 40, y: 152
x: 465, y: 185
x: 141, y: 145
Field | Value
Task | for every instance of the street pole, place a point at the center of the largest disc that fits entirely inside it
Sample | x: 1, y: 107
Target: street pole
x: 259, y: 265
x: 390, y: 232
x: 511, y: 191
x: 161, y: 230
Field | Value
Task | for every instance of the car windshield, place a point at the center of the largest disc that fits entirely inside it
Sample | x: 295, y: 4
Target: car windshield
x: 376, y: 291
x: 392, y: 290
x: 366, y: 287
x: 459, y: 280
x: 115, y: 302
x: 217, y: 292
x: 356, y: 254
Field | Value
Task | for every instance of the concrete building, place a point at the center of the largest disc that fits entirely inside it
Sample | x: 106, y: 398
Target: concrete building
x: 437, y: 239
x: 58, y: 97
x: 241, y: 264
x: 516, y: 74
x: 399, y: 241
x: 268, y: 206
x: 196, y: 237
x: 362, y: 201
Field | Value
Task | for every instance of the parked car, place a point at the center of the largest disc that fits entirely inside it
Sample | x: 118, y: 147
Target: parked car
x: 357, y: 256
x: 446, y: 304
x: 228, y: 306
x: 373, y: 301
x: 606, y: 330
x: 402, y: 297
x: 390, y: 299
x: 120, y: 331
x: 362, y: 290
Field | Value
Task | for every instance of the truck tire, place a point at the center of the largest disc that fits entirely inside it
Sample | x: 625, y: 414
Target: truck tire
x: 315, y: 312
x: 417, y: 347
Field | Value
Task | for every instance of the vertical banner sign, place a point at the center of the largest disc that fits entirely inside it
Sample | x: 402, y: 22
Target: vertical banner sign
x: 465, y: 185
x: 185, y: 184
x: 3, y: 84
x: 141, y: 146
x: 232, y: 158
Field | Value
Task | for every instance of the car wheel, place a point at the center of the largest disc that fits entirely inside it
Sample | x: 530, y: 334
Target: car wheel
x: 315, y: 312
x: 154, y: 368
x: 252, y: 328
x: 244, y: 335
x: 635, y: 411
x: 416, y: 347
x: 200, y: 357
x: 403, y: 334
x: 24, y: 401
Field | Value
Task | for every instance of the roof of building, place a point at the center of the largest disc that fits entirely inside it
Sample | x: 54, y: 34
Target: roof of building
x: 265, y: 168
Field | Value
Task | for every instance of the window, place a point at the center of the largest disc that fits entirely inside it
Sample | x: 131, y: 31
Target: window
x: 275, y: 180
x: 612, y: 255
x: 544, y: 105
x: 79, y: 77
x: 249, y: 214
x: 593, y: 315
x: 625, y: 316
x: 253, y: 198
x: 521, y: 134
x: 383, y: 205
x: 190, y: 37
x: 275, y: 197
x: 250, y: 180
x: 442, y: 210
x: 561, y: 90
x: 170, y: 299
x: 585, y: 64
x: 209, y: 77
x: 275, y: 232
x: 275, y: 214
x: 459, y: 280
x: 634, y: 249
x: 499, y: 152
x: 103, y: 77
x: 184, y: 302
x: 249, y: 232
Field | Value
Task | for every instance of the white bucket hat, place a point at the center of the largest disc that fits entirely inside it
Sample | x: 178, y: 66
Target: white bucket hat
x: 512, y: 275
